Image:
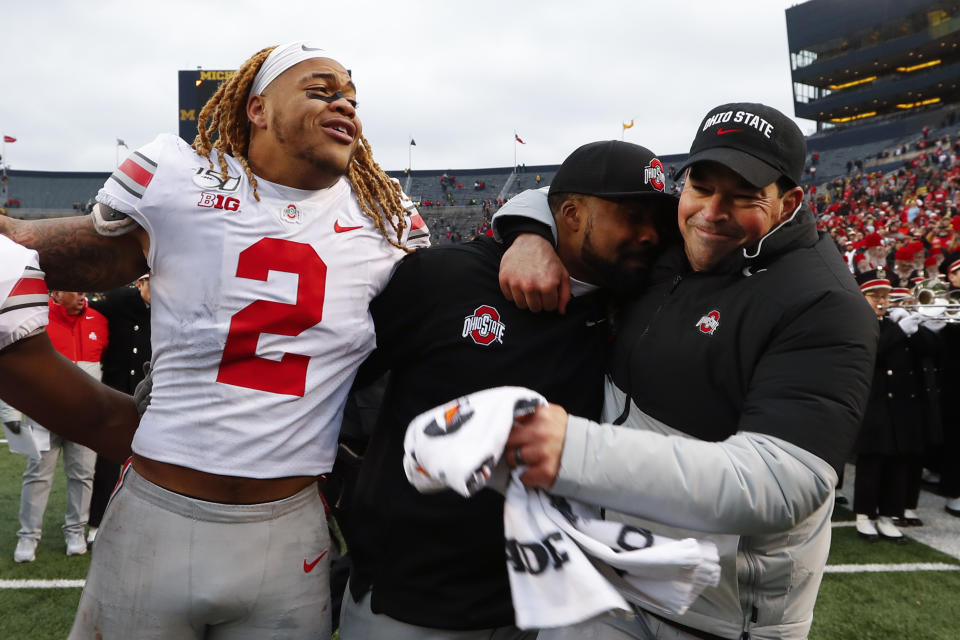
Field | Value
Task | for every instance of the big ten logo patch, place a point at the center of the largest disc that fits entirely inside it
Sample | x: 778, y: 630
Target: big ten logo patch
x: 483, y: 326
x: 218, y: 201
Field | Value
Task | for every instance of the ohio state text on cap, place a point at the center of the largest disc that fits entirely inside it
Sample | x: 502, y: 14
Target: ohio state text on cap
x: 754, y: 140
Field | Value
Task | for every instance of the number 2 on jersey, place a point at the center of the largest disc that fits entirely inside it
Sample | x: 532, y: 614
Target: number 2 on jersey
x: 240, y: 365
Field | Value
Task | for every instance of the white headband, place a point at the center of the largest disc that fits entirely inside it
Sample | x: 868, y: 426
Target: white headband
x: 282, y: 58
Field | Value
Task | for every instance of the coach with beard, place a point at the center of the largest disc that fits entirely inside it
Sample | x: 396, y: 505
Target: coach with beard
x: 432, y: 565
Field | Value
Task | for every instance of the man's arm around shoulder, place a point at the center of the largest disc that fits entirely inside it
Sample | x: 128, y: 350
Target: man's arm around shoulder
x: 531, y: 274
x: 60, y: 396
x: 75, y: 257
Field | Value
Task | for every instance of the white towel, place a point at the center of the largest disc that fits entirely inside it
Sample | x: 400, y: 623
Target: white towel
x: 552, y: 543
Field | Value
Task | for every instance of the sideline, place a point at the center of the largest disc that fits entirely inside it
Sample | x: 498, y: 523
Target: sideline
x: 880, y: 568
x: 42, y: 584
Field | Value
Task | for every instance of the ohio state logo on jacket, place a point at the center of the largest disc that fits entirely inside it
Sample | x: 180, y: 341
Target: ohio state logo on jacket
x: 484, y: 326
x: 708, y: 324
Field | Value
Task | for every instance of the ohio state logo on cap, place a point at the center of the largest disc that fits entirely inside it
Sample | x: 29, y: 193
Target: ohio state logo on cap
x: 709, y: 323
x: 653, y: 174
x: 484, y: 326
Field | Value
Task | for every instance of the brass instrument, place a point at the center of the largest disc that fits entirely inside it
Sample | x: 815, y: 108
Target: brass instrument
x: 935, y: 300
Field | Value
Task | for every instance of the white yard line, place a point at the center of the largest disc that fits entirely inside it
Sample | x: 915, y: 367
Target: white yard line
x: 881, y: 568
x: 41, y: 584
x: 833, y: 568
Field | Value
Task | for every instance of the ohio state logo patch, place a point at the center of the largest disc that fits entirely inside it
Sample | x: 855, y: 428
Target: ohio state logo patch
x: 291, y: 214
x: 653, y: 174
x: 709, y: 323
x: 484, y: 326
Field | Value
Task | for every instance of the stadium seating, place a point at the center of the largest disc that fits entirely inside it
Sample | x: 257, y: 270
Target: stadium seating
x: 460, y: 211
x: 45, y: 193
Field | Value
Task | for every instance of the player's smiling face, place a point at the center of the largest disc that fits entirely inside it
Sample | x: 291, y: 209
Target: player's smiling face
x: 311, y: 118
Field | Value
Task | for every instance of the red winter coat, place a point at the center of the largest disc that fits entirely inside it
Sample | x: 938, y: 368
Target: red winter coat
x: 81, y: 338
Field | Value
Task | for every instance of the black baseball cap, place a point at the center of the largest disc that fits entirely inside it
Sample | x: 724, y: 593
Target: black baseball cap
x: 873, y: 279
x: 754, y: 140
x: 611, y: 169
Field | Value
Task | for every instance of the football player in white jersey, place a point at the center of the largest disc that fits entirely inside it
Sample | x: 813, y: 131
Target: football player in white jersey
x: 265, y: 248
x: 32, y: 373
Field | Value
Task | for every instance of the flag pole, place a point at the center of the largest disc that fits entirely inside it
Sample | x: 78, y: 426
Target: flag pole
x: 3, y: 172
x: 514, y: 150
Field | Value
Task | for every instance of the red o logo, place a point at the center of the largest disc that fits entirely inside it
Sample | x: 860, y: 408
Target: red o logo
x: 484, y: 326
x: 653, y: 174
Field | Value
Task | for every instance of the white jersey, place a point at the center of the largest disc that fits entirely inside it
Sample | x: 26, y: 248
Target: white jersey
x: 259, y: 311
x: 23, y: 293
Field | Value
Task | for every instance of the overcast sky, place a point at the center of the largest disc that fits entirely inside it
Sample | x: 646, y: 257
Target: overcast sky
x: 459, y: 77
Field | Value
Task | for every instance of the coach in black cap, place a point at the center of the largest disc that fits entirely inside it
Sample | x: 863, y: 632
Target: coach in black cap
x: 432, y: 566
x: 742, y: 373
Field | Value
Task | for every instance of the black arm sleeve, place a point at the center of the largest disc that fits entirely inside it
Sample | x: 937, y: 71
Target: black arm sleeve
x: 513, y: 226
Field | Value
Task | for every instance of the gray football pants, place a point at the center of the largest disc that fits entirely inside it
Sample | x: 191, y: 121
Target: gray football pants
x: 642, y: 626
x: 78, y: 464
x: 359, y: 622
x: 169, y: 567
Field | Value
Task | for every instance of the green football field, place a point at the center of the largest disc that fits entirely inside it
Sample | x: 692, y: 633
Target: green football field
x: 871, y: 591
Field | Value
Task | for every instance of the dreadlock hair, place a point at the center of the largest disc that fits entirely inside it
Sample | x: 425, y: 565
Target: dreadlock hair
x: 223, y: 119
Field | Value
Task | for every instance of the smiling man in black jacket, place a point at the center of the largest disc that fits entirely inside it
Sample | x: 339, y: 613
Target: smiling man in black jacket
x: 738, y: 383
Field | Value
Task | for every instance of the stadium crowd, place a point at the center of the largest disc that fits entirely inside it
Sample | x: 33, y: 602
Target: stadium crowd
x: 899, y: 233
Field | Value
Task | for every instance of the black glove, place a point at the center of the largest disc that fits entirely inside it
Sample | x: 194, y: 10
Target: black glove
x: 13, y: 425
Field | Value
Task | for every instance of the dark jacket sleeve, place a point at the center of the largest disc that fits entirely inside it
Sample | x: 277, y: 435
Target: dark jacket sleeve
x: 811, y: 385
x: 394, y: 314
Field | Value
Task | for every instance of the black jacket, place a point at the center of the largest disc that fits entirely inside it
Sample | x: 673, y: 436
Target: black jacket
x: 950, y: 375
x: 128, y: 317
x: 437, y: 560
x: 784, y: 342
x: 898, y: 412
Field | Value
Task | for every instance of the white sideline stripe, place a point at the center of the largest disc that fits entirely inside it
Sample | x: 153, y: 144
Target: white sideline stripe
x: 880, y: 568
x: 41, y: 584
x: 832, y: 568
x: 844, y: 523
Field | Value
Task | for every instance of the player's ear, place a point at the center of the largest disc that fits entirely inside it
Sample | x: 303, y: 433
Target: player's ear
x: 256, y: 111
x: 571, y: 213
